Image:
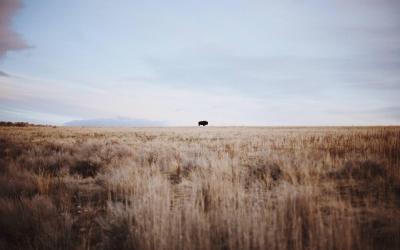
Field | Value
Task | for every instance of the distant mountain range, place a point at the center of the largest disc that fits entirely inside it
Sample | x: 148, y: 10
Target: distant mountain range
x: 115, y: 122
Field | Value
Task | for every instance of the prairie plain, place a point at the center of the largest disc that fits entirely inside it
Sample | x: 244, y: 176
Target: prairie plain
x: 200, y: 188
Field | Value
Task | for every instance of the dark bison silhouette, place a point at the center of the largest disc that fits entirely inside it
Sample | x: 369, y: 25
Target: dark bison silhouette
x: 203, y: 123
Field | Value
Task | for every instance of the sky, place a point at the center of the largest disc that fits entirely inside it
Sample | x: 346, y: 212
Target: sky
x: 174, y: 63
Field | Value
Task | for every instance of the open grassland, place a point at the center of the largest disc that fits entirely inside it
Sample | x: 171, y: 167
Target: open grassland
x: 200, y: 188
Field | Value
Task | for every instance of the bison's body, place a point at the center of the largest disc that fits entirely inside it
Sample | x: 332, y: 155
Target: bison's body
x: 203, y: 123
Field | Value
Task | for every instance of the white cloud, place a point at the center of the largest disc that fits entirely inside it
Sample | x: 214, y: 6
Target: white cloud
x: 232, y: 63
x: 58, y: 102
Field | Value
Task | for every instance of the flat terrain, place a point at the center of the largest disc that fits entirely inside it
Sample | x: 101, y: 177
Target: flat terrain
x: 200, y: 188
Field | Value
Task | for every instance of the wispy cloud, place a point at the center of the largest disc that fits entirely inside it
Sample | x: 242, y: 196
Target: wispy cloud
x: 133, y: 100
x: 233, y: 63
x: 3, y: 74
x: 155, y: 104
x: 9, y: 39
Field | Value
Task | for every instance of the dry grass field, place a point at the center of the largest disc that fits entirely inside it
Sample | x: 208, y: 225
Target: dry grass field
x: 200, y: 188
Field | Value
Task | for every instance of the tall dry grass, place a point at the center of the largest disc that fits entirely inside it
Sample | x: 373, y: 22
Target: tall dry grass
x: 200, y: 188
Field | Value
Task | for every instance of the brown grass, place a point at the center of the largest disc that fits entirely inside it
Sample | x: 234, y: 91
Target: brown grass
x: 200, y: 188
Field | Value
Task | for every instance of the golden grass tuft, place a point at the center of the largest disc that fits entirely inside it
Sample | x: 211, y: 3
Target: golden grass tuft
x: 208, y: 188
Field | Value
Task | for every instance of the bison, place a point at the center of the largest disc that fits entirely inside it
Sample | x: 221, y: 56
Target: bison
x: 203, y: 123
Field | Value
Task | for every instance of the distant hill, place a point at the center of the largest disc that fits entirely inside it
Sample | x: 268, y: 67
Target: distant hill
x: 114, y: 122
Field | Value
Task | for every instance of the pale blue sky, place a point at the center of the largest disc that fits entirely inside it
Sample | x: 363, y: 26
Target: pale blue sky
x: 230, y: 62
